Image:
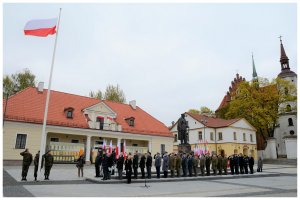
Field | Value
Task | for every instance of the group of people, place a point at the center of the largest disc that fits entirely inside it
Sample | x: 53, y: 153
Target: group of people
x: 27, y: 160
x: 187, y: 164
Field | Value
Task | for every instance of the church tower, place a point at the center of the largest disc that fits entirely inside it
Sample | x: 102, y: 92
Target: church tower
x: 287, y: 121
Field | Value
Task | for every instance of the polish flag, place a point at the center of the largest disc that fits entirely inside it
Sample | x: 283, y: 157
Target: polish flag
x: 110, y: 147
x: 118, y: 150
x: 41, y: 27
x: 104, y: 144
x: 124, y: 149
x: 110, y: 118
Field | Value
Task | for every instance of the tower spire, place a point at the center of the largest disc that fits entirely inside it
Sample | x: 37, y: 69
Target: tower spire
x: 254, y: 74
x: 284, y: 60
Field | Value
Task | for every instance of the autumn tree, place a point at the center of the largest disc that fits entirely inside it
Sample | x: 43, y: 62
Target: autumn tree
x: 17, y: 82
x: 194, y: 111
x: 112, y: 93
x: 96, y: 95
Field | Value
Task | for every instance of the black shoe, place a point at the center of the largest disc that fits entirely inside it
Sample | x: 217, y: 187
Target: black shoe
x: 35, y: 178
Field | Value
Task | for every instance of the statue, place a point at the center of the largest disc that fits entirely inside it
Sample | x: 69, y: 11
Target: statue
x: 182, y: 127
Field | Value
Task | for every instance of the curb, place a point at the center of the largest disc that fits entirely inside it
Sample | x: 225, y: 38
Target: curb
x: 199, y: 178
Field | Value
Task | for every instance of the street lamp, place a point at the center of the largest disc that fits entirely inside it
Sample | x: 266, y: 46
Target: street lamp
x: 204, y: 121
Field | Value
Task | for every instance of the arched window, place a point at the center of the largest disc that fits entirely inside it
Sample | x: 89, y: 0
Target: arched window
x: 288, y: 108
x: 291, y: 122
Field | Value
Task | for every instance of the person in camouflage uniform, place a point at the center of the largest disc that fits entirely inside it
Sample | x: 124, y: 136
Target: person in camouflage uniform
x: 36, y: 164
x: 219, y: 166
x: 202, y: 164
x: 172, y: 164
x: 214, y: 164
x: 48, y: 158
x: 27, y: 159
x: 224, y: 163
x: 195, y: 164
x: 178, y: 164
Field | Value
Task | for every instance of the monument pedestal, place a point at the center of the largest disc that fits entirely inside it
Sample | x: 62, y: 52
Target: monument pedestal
x: 184, y: 148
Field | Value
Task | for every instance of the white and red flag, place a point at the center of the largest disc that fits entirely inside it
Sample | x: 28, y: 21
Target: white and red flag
x: 124, y: 149
x: 104, y: 144
x: 110, y: 147
x: 41, y: 27
x: 118, y: 150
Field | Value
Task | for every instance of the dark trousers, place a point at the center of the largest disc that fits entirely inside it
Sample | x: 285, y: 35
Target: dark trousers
x: 80, y: 169
x: 105, y: 173
x: 128, y: 175
x: 190, y: 171
x: 246, y: 169
x: 225, y: 170
x: 25, y: 170
x: 184, y: 170
x: 178, y: 172
x: 220, y: 171
x: 97, y: 168
x: 148, y: 171
x: 165, y: 174
x: 259, y: 169
x: 143, y: 172
x: 232, y: 169
x: 158, y: 172
x: 242, y: 169
x: 215, y: 171
x: 47, y: 171
x: 251, y: 169
x: 172, y: 173
x: 207, y: 171
x: 120, y: 175
x: 35, y: 171
x: 202, y: 170
x: 195, y: 170
x: 236, y: 169
x: 135, y: 172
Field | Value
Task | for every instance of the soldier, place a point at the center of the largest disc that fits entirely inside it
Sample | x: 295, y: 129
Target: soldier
x: 195, y: 164
x: 149, y: 165
x: 27, y: 159
x: 202, y: 164
x: 236, y: 163
x: 241, y: 163
x: 48, y: 158
x: 135, y: 164
x: 184, y: 164
x: 178, y: 164
x: 98, y: 162
x: 142, y: 165
x: 172, y: 164
x: 80, y: 165
x: 246, y: 163
x: 128, y: 168
x: 231, y: 162
x: 110, y: 163
x: 36, y: 164
x: 214, y: 164
x: 224, y: 163
x: 251, y: 163
x: 157, y: 164
x: 259, y: 165
x: 190, y: 160
x: 220, y: 163
x: 207, y: 164
x: 105, y: 166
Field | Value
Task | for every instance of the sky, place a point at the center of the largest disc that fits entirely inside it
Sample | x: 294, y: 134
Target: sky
x: 169, y: 57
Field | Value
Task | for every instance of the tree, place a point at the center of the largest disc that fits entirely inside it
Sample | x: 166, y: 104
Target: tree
x: 205, y: 110
x: 114, y: 93
x: 261, y: 105
x: 194, y: 111
x: 18, y: 81
x: 96, y: 95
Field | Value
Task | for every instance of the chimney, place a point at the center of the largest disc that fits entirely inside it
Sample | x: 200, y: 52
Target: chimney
x: 40, y: 87
x: 133, y: 104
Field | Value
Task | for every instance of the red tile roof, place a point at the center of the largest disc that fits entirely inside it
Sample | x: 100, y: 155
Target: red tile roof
x: 213, y: 122
x: 29, y: 106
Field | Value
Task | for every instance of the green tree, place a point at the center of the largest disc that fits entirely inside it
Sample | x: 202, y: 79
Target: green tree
x: 114, y: 93
x: 205, y: 110
x: 96, y: 95
x: 18, y: 81
x: 194, y: 111
x: 260, y: 105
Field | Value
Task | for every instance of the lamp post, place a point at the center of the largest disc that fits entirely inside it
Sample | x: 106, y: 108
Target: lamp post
x: 204, y: 121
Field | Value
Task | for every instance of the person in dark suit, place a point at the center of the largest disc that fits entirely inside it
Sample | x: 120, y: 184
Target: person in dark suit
x: 241, y: 163
x: 149, y: 165
x: 251, y: 164
x: 98, y: 162
x: 184, y: 164
x: 135, y: 164
x: 231, y: 163
x: 142, y: 165
x: 236, y: 163
x: 120, y: 163
x: 207, y: 164
x: 128, y: 168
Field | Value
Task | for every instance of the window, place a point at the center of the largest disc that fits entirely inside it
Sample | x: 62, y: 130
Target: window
x: 234, y: 135
x: 244, y: 136
x: 21, y: 141
x: 54, y: 139
x: 220, y: 136
x: 135, y: 145
x: 69, y: 112
x: 200, y: 135
x: 98, y: 142
x: 291, y: 122
x: 288, y: 108
x: 130, y: 121
x: 251, y: 138
x: 101, y: 120
x: 175, y: 138
x: 162, y: 148
x: 211, y: 136
x: 74, y: 141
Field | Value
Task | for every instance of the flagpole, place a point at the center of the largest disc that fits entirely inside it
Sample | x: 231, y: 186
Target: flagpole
x: 43, y: 139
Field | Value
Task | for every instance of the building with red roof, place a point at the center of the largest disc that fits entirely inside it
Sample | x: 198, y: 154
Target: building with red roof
x: 77, y: 123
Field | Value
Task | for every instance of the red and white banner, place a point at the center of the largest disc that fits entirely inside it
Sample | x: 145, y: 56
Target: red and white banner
x: 110, y: 147
x: 124, y: 149
x: 41, y: 27
x: 104, y: 144
x: 118, y: 150
x: 110, y: 118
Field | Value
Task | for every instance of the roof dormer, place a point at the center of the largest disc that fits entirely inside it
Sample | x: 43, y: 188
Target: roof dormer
x: 130, y: 121
x: 69, y: 112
